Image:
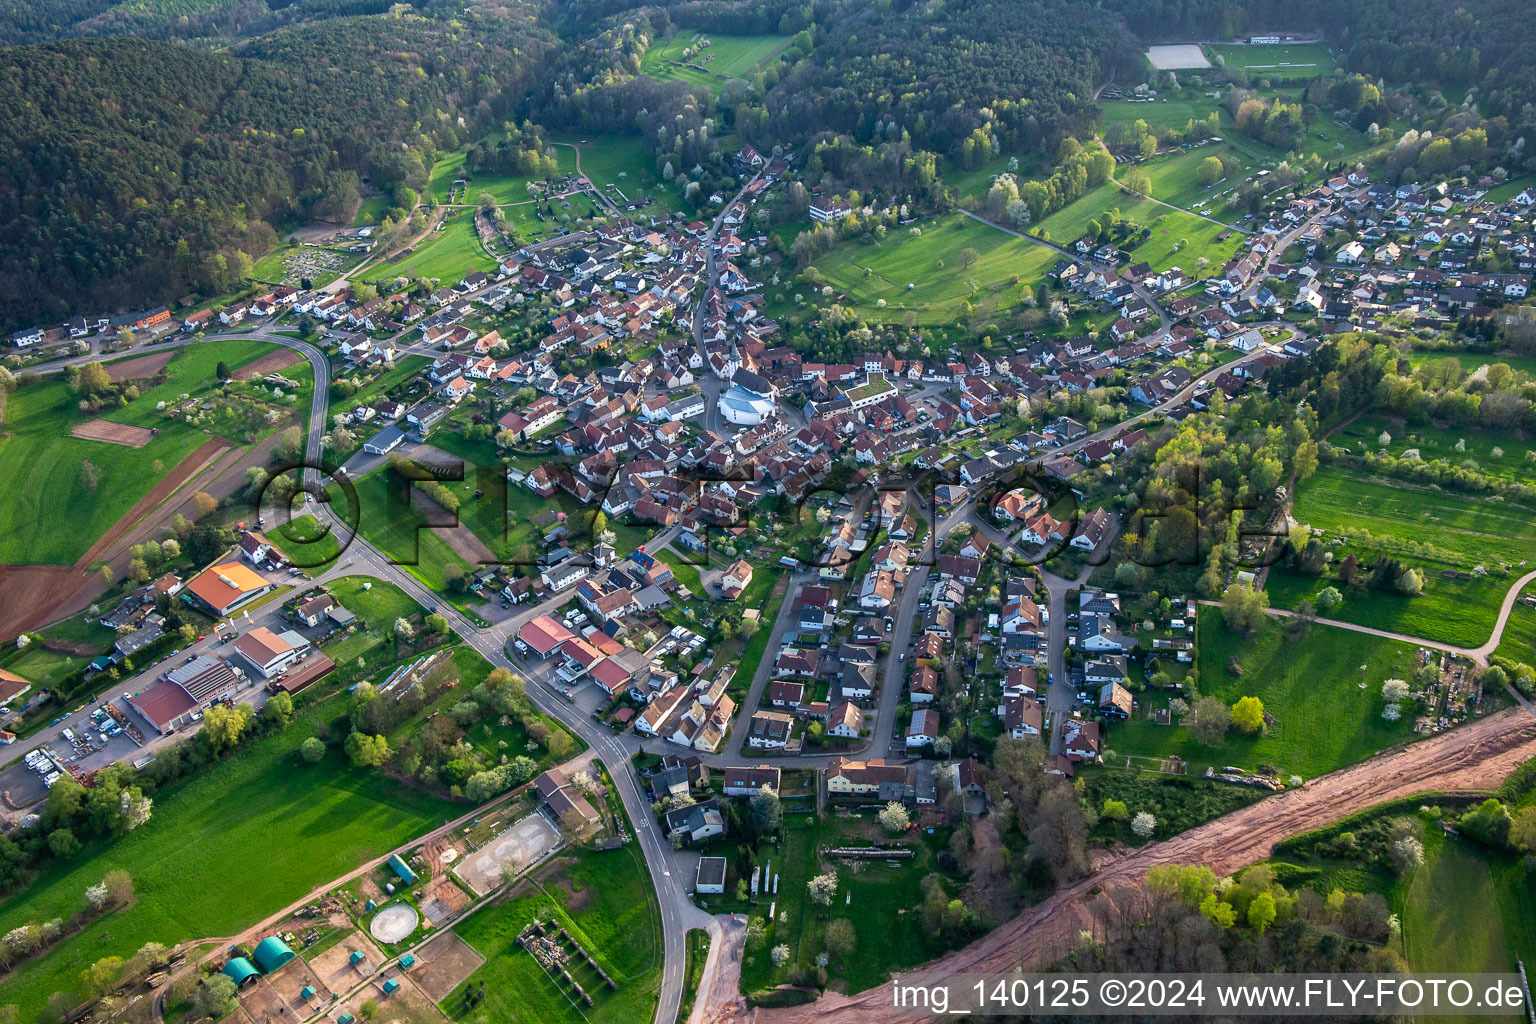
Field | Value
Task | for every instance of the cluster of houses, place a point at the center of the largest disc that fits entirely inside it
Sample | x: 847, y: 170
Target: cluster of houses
x: 1412, y: 250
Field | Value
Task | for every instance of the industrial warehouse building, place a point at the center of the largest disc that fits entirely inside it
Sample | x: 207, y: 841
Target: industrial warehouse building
x: 179, y: 698
x: 268, y: 653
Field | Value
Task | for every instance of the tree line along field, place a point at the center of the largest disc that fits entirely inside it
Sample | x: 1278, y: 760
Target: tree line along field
x: 506, y: 188
x: 729, y: 57
x: 233, y: 842
x: 1465, y: 908
x: 1324, y: 718
x: 41, y: 461
x: 1471, y: 362
x: 1466, y: 532
x: 604, y: 898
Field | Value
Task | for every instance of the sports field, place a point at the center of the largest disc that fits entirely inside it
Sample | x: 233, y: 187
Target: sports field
x: 1281, y: 58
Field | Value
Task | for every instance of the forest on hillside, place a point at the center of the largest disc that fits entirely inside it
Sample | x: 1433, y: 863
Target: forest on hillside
x: 132, y: 171
x: 153, y: 148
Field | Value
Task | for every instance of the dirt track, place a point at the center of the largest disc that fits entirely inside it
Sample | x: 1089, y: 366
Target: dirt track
x: 1476, y: 757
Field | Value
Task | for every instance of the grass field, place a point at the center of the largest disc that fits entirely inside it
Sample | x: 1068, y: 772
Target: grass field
x: 420, y: 551
x: 1468, y: 908
x: 933, y: 265
x: 41, y: 462
x: 1511, y: 188
x: 282, y: 825
x: 304, y: 542
x: 371, y: 211
x: 407, y: 369
x: 877, y: 899
x: 446, y: 255
x: 1472, y: 361
x: 1177, y: 238
x: 47, y: 667
x: 506, y: 188
x: 1497, y: 454
x: 1284, y: 58
x: 1471, y: 531
x: 1519, y: 640
x: 605, y: 898
x: 620, y: 162
x: 1324, y: 718
x: 1337, y: 501
x: 726, y: 57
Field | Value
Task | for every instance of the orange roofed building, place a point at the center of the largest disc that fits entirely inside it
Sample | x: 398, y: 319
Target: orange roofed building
x: 223, y: 589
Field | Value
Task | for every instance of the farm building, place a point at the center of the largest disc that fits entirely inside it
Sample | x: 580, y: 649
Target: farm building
x: 272, y: 953
x: 402, y: 869
x: 391, y: 985
x: 240, y: 971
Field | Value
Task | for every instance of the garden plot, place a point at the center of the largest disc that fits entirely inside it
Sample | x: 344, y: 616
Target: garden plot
x: 520, y: 846
x: 113, y: 433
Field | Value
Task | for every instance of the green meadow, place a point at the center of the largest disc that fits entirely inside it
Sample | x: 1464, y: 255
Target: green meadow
x: 712, y: 66
x: 42, y: 461
x: 1324, y: 692
x: 282, y: 825
x: 927, y: 274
